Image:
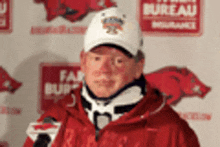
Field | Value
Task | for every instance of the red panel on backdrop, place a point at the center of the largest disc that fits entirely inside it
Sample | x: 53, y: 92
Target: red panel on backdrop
x: 57, y: 80
x: 171, y: 17
x: 5, y: 16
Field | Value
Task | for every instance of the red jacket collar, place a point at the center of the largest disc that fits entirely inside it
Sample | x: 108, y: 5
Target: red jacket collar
x: 151, y: 103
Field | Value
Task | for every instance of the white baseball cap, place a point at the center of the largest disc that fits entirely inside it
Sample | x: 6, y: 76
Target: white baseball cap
x: 111, y: 26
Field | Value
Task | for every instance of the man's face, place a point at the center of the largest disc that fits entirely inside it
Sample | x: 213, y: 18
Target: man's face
x: 107, y: 70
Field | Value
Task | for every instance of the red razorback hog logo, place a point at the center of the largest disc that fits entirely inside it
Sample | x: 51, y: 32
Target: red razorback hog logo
x: 7, y: 83
x: 44, y: 126
x: 3, y: 144
x: 73, y: 10
x: 176, y: 83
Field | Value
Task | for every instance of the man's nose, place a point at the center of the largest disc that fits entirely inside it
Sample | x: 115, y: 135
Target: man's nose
x: 106, y: 65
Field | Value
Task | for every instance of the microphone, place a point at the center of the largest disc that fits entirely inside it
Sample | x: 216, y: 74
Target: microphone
x: 43, y: 133
x: 42, y: 140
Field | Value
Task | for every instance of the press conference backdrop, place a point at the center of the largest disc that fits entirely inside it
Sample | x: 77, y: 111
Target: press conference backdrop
x: 39, y: 57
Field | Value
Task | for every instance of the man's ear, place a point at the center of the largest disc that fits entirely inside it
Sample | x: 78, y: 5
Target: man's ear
x: 139, y: 68
x: 82, y: 61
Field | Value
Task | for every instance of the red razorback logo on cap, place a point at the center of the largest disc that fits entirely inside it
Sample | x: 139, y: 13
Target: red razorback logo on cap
x: 73, y: 10
x: 44, y: 126
x: 7, y: 83
x: 176, y: 83
x: 112, y: 24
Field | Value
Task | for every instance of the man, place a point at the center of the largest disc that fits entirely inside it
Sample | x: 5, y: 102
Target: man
x: 115, y: 106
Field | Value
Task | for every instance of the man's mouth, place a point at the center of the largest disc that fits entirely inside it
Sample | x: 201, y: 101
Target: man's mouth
x: 104, y: 82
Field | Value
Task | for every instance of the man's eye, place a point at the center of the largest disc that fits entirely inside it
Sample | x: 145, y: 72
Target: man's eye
x: 119, y: 61
x: 97, y: 58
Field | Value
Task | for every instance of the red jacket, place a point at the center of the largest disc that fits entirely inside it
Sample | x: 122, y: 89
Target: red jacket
x: 151, y: 123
